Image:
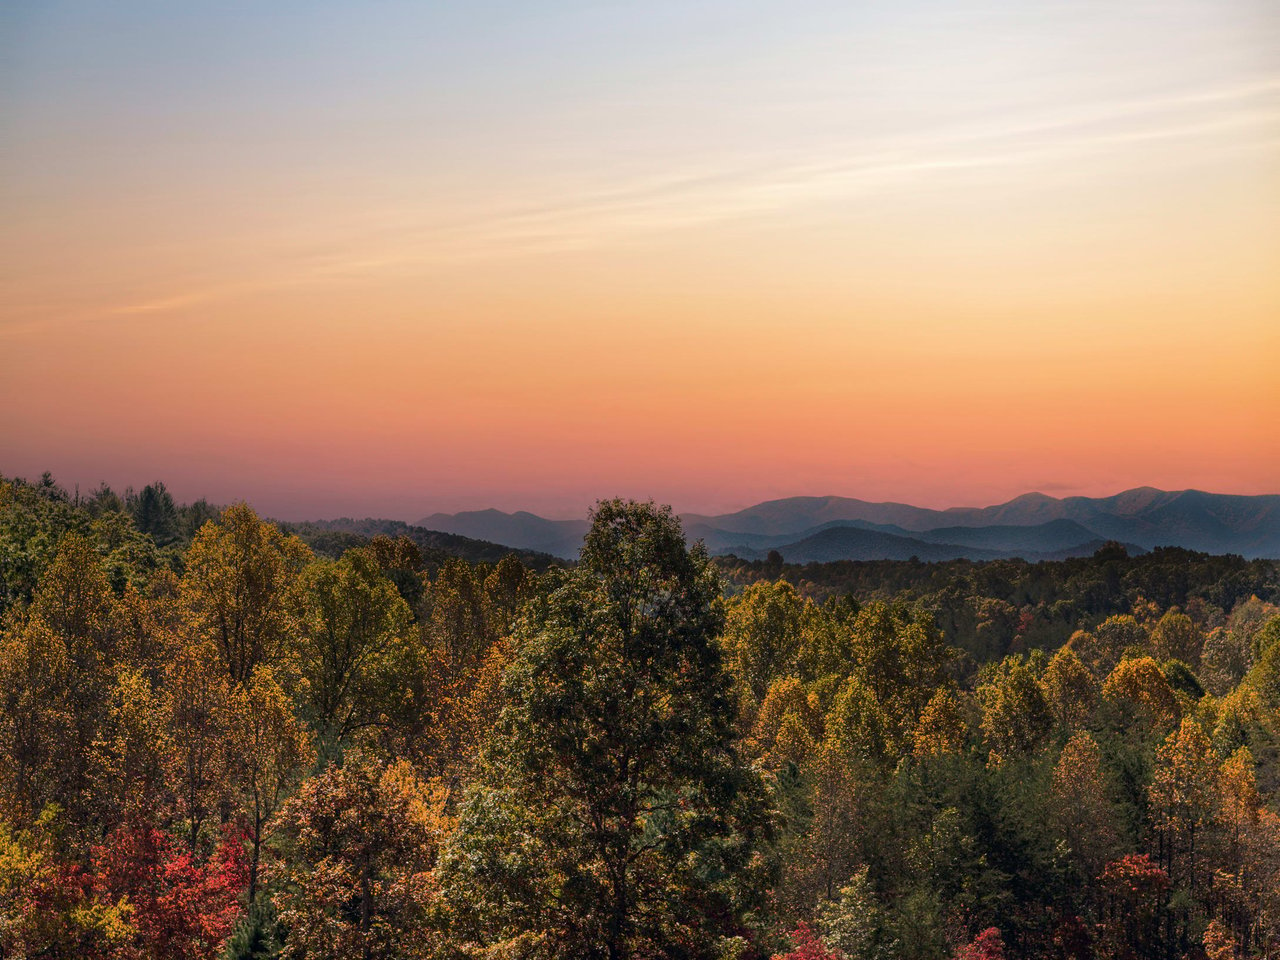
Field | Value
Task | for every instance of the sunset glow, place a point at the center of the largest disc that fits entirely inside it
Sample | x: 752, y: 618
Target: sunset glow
x: 399, y: 258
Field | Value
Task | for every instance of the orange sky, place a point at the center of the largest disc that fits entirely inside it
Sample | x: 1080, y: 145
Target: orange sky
x: 944, y: 259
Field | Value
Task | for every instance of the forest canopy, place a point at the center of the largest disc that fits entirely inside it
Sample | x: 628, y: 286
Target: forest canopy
x: 222, y: 737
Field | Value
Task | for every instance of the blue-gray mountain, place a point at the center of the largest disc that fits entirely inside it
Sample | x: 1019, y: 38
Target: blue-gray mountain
x: 1033, y: 526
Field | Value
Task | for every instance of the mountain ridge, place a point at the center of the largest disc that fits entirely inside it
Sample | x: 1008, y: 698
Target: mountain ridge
x: 1033, y: 525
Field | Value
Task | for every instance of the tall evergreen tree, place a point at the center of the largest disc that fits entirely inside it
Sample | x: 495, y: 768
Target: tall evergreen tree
x: 613, y: 818
x: 155, y: 514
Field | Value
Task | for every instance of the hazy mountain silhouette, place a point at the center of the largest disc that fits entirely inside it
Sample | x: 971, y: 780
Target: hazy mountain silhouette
x: 1033, y: 526
x: 562, y: 538
x: 859, y: 543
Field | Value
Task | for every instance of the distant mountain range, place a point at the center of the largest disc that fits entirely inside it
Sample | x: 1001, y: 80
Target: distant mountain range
x: 1034, y: 526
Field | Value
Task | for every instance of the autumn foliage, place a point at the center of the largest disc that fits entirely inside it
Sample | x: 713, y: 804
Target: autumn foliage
x: 181, y: 907
x: 218, y: 740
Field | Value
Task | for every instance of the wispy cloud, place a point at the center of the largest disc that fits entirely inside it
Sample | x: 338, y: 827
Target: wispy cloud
x: 1241, y: 117
x: 166, y: 304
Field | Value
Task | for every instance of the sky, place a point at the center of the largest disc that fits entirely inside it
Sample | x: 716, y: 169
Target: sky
x: 396, y: 258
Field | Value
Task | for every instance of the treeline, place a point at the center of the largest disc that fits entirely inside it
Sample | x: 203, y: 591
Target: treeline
x: 231, y: 745
x: 334, y: 537
x: 993, y: 608
x: 153, y: 530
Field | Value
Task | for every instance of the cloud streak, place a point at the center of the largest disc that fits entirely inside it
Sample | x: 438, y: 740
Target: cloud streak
x: 1241, y: 117
x: 711, y: 195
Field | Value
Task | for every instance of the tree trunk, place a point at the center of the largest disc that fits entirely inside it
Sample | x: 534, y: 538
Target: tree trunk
x: 366, y: 911
x: 253, y: 862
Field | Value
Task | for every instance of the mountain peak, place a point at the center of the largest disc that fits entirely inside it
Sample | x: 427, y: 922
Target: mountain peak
x: 1033, y: 497
x: 1033, y: 525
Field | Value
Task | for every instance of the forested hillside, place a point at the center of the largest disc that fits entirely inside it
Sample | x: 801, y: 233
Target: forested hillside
x: 220, y: 740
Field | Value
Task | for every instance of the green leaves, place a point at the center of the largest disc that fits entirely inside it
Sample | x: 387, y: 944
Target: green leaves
x: 353, y: 628
x: 611, y: 787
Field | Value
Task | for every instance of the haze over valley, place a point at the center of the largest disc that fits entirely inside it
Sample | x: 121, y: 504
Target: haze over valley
x: 1034, y: 527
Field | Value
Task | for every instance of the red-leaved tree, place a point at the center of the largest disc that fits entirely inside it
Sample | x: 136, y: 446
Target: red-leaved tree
x: 988, y: 945
x: 183, y: 909
x: 808, y: 946
x: 1135, y: 892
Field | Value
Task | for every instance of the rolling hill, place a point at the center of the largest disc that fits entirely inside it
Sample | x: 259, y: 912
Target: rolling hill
x: 332, y: 537
x: 528, y: 531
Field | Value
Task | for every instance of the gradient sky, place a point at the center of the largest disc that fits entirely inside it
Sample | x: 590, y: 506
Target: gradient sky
x: 392, y: 258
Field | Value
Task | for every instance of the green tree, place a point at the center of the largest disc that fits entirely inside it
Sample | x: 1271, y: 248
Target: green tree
x: 272, y: 750
x: 353, y: 631
x: 855, y: 923
x: 458, y: 623
x: 1224, y: 660
x: 506, y: 589
x: 1117, y: 635
x: 1264, y: 675
x: 1015, y: 714
x: 859, y: 726
x: 1175, y: 637
x: 762, y: 635
x: 239, y: 589
x: 901, y: 657
x: 401, y: 560
x: 613, y: 817
x: 55, y: 682
x: 155, y: 514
